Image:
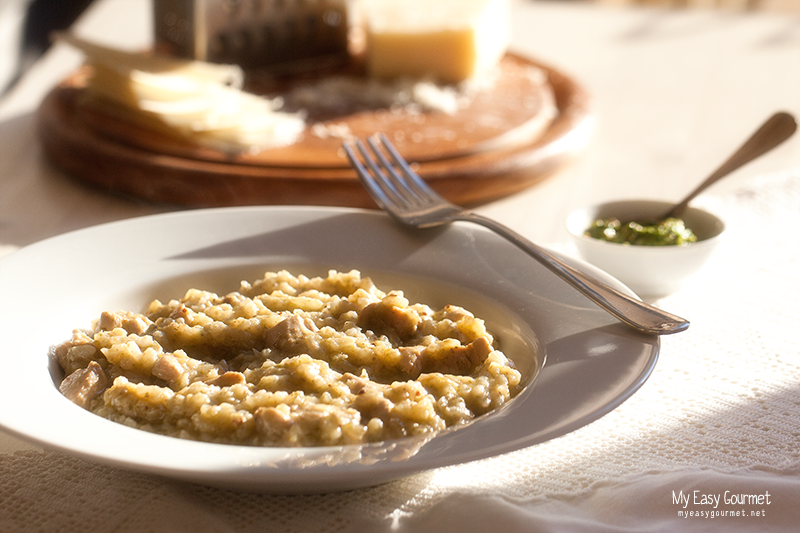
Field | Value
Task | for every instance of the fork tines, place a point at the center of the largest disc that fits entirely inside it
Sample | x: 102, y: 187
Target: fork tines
x: 385, y: 174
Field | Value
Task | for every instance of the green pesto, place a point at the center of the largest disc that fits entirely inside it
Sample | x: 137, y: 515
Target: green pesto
x: 669, y: 232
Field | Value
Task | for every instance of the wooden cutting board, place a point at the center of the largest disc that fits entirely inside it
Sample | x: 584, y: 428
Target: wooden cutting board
x: 525, y: 125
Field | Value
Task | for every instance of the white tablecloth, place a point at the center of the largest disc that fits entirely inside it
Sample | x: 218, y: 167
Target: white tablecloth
x: 718, y: 422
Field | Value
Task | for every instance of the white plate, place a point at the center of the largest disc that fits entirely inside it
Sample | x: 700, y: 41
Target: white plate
x: 591, y: 362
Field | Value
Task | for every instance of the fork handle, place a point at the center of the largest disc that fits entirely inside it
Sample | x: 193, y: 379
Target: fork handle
x: 627, y: 309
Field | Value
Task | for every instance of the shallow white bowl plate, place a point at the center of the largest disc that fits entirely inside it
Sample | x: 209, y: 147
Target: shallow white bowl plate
x: 591, y: 362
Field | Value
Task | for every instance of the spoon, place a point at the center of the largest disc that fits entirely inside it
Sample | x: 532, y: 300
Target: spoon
x: 773, y: 132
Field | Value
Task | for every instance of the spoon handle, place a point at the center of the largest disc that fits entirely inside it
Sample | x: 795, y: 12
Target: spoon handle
x: 773, y: 132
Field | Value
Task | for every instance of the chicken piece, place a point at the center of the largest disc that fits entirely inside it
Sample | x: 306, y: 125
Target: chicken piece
x: 168, y: 368
x: 130, y: 322
x: 369, y: 397
x: 372, y: 404
x: 387, y: 316
x: 76, y: 353
x: 289, y: 333
x: 84, y: 385
x: 461, y: 360
x: 411, y: 361
x: 273, y: 421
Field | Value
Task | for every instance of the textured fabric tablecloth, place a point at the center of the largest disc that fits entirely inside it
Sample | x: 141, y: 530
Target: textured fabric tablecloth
x: 718, y: 423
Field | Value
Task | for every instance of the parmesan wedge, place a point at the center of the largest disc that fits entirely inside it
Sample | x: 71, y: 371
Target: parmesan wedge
x: 448, y: 40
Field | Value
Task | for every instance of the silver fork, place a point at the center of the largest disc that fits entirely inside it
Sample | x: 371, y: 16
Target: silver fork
x: 407, y: 198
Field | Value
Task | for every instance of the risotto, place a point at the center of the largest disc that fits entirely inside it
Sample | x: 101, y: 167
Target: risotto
x: 289, y: 361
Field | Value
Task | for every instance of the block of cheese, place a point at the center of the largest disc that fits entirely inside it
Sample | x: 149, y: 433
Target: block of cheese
x: 448, y: 41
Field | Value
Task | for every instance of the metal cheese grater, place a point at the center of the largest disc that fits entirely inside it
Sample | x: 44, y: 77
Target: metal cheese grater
x: 252, y: 33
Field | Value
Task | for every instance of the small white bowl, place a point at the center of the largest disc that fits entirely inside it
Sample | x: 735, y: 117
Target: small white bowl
x: 649, y: 271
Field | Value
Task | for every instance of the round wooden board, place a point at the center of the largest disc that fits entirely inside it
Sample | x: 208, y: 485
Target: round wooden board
x: 527, y: 146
